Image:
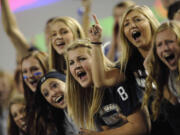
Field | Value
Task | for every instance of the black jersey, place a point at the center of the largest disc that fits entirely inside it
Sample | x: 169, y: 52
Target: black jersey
x: 118, y: 102
x: 135, y: 67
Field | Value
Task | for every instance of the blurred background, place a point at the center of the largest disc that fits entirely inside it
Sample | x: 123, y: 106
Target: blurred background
x: 31, y: 16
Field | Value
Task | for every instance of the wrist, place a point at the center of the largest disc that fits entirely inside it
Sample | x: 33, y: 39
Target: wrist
x: 96, y: 43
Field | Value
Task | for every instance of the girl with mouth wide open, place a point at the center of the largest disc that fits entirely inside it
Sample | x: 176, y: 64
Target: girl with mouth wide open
x: 100, y: 101
x: 163, y: 69
x: 33, y: 67
x: 50, y: 107
x: 137, y: 27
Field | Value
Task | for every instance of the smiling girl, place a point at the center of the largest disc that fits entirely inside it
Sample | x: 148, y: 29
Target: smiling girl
x: 17, y: 123
x: 33, y: 67
x: 50, y: 107
x: 63, y: 31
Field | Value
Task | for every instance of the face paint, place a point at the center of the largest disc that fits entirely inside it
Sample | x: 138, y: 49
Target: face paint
x: 37, y: 73
x: 24, y: 77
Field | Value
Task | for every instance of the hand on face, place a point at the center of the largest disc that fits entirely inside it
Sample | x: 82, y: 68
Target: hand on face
x: 95, y: 31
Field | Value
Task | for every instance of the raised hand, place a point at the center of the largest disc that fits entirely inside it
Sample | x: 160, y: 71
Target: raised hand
x: 86, y: 3
x: 95, y: 31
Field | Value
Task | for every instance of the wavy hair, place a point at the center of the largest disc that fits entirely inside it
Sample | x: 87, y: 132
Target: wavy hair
x: 158, y: 72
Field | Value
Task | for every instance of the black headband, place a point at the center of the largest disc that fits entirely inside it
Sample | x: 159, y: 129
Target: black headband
x: 52, y: 74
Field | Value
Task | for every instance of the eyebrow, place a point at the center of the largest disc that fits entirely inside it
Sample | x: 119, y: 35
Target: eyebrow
x: 52, y: 82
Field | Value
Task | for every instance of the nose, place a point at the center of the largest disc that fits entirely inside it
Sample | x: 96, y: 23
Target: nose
x: 77, y: 65
x: 165, y: 47
x: 59, y: 36
x: 132, y: 24
x: 52, y: 95
x: 28, y: 75
x: 20, y: 117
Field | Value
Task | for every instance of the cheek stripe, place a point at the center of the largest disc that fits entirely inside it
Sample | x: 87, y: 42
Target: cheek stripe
x: 24, y: 77
x: 37, y: 73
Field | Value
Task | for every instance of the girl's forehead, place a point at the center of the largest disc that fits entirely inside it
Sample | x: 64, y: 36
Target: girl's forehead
x: 78, y: 50
x: 134, y: 13
x: 50, y: 80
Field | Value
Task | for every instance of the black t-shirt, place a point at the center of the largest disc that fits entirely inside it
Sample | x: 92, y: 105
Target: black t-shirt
x: 119, y: 100
x: 172, y: 113
x: 136, y: 71
x: 135, y: 66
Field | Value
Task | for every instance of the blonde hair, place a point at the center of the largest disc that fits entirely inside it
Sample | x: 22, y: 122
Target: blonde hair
x: 42, y: 58
x: 126, y: 46
x: 57, y: 61
x: 157, y: 70
x: 82, y: 103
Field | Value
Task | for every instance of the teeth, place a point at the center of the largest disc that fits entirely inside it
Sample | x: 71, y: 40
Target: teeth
x: 167, y: 55
x: 59, y: 43
x: 33, y: 82
x: 58, y: 98
x: 136, y: 34
x: 78, y: 73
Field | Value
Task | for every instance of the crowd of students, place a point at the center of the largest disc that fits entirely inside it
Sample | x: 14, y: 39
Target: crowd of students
x: 75, y: 89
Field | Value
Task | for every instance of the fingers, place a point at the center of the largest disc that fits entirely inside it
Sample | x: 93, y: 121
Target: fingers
x: 95, y: 19
x: 95, y: 29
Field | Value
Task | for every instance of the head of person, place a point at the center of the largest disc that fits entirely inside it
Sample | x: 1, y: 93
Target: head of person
x: 83, y: 100
x: 174, y: 11
x: 33, y: 67
x: 165, y: 56
x: 63, y: 31
x: 48, y: 105
x: 52, y: 88
x: 120, y: 8
x: 137, y: 26
x: 167, y: 3
x: 17, y: 116
x: 6, y: 87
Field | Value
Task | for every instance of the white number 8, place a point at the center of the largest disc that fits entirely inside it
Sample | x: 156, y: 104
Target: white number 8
x: 122, y: 93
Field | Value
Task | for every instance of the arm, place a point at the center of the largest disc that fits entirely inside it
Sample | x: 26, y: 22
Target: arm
x: 12, y: 30
x: 85, y: 18
x: 101, y: 77
x: 138, y: 124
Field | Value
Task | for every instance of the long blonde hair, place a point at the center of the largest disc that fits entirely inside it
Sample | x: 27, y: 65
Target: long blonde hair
x: 126, y: 46
x: 157, y: 70
x: 57, y: 61
x: 82, y: 103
